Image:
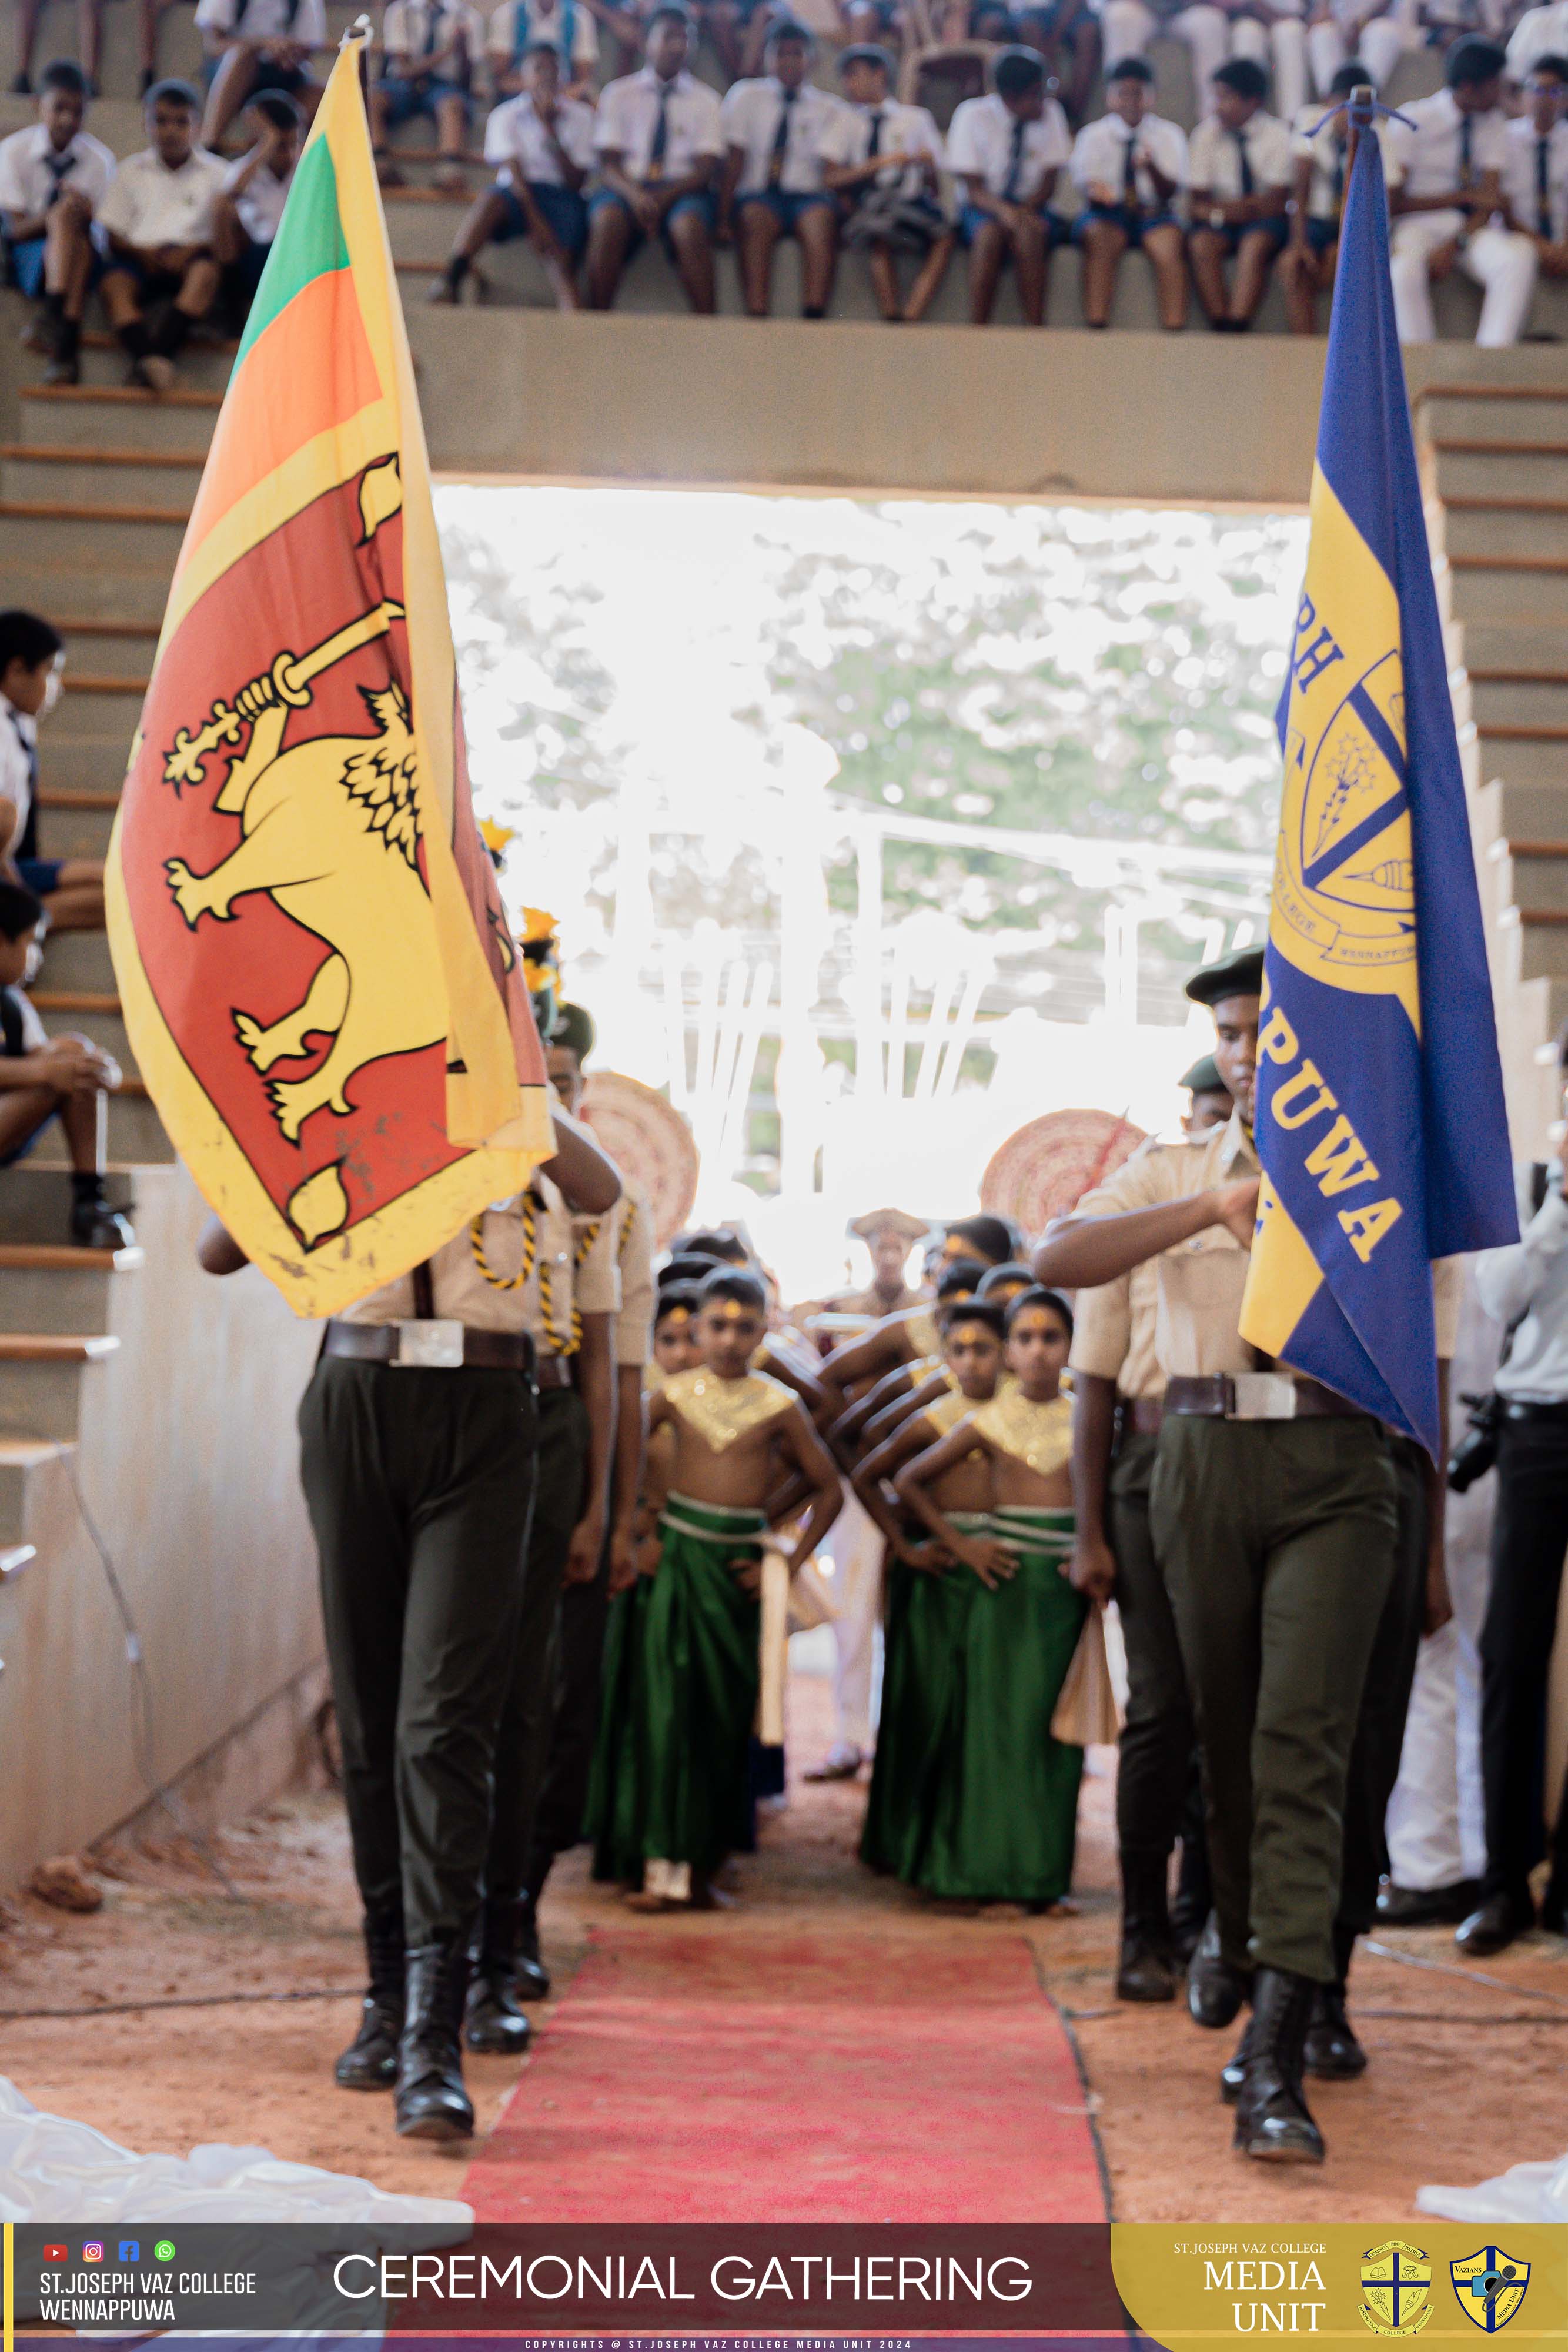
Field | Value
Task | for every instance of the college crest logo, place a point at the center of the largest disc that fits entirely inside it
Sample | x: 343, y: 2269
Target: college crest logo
x: 1491, y: 2287
x: 1346, y: 880
x: 1396, y: 2289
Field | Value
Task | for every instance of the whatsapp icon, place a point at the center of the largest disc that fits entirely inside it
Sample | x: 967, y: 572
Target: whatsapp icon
x: 164, y: 2252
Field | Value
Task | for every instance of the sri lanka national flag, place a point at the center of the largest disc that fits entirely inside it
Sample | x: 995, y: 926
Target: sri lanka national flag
x: 1380, y: 1121
x: 316, y: 973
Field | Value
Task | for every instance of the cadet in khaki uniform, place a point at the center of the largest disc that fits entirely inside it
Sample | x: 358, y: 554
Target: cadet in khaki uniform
x: 561, y: 1273
x: 1272, y: 1511
x: 418, y: 1445
x: 585, y: 1597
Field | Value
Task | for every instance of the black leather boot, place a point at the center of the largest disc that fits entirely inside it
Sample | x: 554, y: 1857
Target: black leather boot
x: 504, y: 1976
x: 1233, y: 2073
x: 1146, y: 1970
x: 369, y: 2061
x: 1332, y: 2052
x: 431, y: 2101
x: 1272, y: 2119
x: 1215, y: 1990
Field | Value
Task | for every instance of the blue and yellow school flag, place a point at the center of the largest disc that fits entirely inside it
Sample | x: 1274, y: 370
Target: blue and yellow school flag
x: 1380, y: 1122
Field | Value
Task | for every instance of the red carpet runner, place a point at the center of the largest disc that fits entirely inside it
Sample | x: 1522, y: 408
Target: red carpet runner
x: 714, y: 2071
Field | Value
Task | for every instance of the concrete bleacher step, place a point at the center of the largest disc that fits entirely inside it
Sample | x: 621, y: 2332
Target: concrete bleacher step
x: 78, y: 960
x: 1531, y: 756
x: 76, y: 824
x: 41, y: 1374
x: 88, y: 1012
x: 1510, y: 413
x: 136, y: 1134
x: 78, y: 528
x: 31, y: 469
x: 88, y: 761
x: 69, y: 414
x: 1497, y: 589
x: 1503, y: 525
x: 20, y: 1458
x: 59, y: 1293
x: 1477, y: 468
x: 35, y: 1201
x: 1519, y: 700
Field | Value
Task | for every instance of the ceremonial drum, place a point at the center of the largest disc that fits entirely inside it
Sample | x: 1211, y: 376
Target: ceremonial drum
x: 1044, y: 1169
x: 649, y: 1141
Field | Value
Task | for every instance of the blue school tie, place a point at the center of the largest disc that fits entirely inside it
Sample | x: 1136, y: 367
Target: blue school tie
x: 1466, y: 171
x: 59, y: 169
x: 1015, y: 162
x: 661, y: 139
x: 1244, y: 161
x: 1129, y: 174
x: 1543, y: 186
x: 781, y: 139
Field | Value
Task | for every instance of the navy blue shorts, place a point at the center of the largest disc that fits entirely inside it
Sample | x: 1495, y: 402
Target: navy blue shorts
x: 972, y: 220
x: 1134, y: 226
x: 788, y: 205
x: 40, y: 875
x: 566, y: 216
x: 243, y: 277
x: 1277, y: 227
x: 1320, y: 235
x: 151, y: 285
x: 28, y: 1143
x: 405, y: 100
x: 698, y: 206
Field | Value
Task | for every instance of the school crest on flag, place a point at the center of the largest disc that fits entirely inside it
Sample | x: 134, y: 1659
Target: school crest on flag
x: 1490, y: 2285
x: 316, y: 971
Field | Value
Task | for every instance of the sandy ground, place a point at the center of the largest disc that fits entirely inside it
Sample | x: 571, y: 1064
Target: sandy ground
x: 1465, y: 2074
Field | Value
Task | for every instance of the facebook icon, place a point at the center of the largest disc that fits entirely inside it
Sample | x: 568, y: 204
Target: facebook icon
x: 131, y: 2250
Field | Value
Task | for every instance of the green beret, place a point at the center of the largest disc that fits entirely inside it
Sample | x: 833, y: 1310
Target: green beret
x: 1204, y: 1078
x: 574, y: 1029
x: 1235, y: 975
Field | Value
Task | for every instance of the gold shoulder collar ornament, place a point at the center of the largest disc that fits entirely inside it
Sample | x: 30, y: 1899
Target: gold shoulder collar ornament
x: 946, y: 1411
x: 721, y: 1411
x: 1038, y: 1435
x: 920, y: 1327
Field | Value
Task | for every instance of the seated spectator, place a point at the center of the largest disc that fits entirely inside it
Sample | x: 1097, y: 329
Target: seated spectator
x: 883, y: 160
x: 44, y: 1078
x: 1065, y: 34
x: 1451, y: 150
x: 89, y: 20
x: 32, y: 663
x: 565, y: 26
x: 1270, y: 33
x: 52, y: 176
x: 1130, y: 168
x: 161, y: 277
x: 1371, y: 31
x: 252, y: 45
x: 544, y: 145
x: 659, y: 142
x: 1322, y: 144
x: 738, y: 30
x: 250, y: 208
x: 1539, y: 33
x: 772, y: 183
x: 1007, y: 149
x: 1239, y: 169
x: 870, y: 24
x: 1535, y: 180
x: 430, y: 49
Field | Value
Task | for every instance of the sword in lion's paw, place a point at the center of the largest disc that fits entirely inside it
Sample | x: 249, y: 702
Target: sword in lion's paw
x: 290, y: 679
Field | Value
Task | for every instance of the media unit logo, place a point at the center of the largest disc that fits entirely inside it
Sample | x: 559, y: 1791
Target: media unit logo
x: 1396, y: 2289
x: 1491, y: 2287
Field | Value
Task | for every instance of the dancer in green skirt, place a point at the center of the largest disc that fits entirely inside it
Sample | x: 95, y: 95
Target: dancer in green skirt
x: 669, y: 1797
x: 924, y: 1585
x: 1001, y: 1797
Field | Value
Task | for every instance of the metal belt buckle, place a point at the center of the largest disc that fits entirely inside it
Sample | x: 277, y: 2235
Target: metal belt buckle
x: 436, y: 1346
x: 1263, y: 1396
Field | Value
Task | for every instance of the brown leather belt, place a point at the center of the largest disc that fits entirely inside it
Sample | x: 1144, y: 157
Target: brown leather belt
x: 552, y: 1372
x: 1258, y: 1396
x: 1142, y: 1415
x: 390, y: 1343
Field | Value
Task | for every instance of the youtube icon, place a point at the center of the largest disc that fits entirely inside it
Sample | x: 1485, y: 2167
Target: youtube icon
x: 57, y: 2253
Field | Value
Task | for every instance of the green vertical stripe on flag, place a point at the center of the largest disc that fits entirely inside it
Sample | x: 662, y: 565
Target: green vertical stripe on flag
x: 310, y: 242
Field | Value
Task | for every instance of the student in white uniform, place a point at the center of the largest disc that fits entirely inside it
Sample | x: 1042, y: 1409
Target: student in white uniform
x: 772, y: 184
x: 1271, y: 33
x: 565, y: 26
x: 255, y: 45
x: 52, y: 176
x: 1539, y: 33
x: 1535, y: 178
x: 1239, y: 168
x: 1322, y: 164
x: 429, y: 51
x: 543, y: 143
x: 158, y: 216
x: 249, y: 211
x: 1130, y: 168
x: 1375, y: 34
x: 658, y: 140
x: 1007, y: 150
x: 884, y: 162
x: 1452, y: 150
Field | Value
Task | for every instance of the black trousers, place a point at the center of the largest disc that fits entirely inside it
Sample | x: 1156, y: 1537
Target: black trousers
x: 581, y: 1626
x: 1528, y: 1538
x: 419, y: 1486
x: 522, y: 1741
x: 1154, y: 1771
x: 1385, y: 1695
